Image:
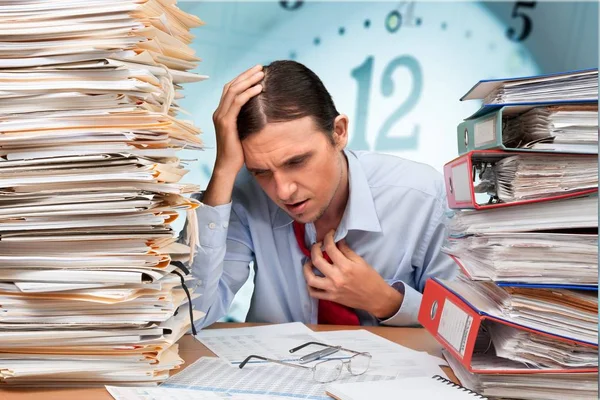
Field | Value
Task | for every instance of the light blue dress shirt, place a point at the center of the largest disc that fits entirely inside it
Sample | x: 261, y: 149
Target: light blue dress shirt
x: 395, y: 219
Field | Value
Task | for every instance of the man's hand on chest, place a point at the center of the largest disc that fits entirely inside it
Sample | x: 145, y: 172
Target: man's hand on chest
x: 349, y: 280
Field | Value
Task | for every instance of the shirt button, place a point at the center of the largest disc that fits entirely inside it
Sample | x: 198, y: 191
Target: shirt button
x: 225, y: 224
x: 212, y: 225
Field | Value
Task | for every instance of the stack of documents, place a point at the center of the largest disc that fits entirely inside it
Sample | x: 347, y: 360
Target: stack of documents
x: 90, y: 182
x: 535, y: 333
x: 521, y: 321
x: 562, y: 312
x: 555, y: 113
x: 561, y: 127
x: 579, y: 386
x: 566, y: 86
x: 540, y: 351
x: 523, y: 257
x: 528, y: 177
x: 577, y: 213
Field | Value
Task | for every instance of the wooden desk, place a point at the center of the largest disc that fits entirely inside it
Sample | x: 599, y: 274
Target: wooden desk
x: 190, y: 350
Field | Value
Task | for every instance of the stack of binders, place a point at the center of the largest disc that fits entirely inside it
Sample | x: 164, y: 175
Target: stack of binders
x: 92, y: 284
x: 521, y: 320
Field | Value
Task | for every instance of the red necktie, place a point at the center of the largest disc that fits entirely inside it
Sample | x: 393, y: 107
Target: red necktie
x: 330, y: 313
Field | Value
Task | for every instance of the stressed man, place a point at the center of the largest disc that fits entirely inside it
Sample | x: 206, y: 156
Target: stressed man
x: 335, y: 236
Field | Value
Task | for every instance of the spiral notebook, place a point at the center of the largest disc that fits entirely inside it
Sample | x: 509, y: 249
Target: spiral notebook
x: 435, y: 387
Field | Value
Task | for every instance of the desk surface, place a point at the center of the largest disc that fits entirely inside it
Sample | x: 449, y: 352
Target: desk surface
x: 190, y: 350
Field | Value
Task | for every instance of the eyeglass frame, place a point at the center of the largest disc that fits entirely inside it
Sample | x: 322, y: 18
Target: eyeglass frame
x: 345, y: 363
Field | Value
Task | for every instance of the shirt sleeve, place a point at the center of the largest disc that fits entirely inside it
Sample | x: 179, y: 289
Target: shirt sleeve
x: 222, y: 259
x: 435, y: 264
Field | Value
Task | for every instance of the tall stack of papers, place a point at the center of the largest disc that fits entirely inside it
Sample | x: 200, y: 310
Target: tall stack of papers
x: 529, y: 253
x: 90, y: 288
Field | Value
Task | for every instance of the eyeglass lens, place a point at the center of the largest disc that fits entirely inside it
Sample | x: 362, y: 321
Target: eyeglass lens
x: 328, y: 371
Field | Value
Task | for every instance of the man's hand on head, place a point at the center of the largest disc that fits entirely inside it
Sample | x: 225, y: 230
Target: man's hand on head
x: 349, y: 280
x: 230, y: 155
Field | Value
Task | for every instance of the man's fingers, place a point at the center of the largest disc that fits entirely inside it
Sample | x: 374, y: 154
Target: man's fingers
x: 312, y: 280
x: 336, y: 256
x: 346, y: 250
x: 316, y: 256
x: 239, y: 88
x: 244, y: 75
x: 319, y: 294
x: 242, y: 99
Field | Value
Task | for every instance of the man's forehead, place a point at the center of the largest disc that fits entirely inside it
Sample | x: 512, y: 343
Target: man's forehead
x: 278, y: 159
x: 293, y: 129
x: 278, y: 146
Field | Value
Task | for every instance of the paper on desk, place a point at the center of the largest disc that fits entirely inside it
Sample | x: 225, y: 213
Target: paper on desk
x: 272, y: 341
x: 275, y: 341
x: 153, y: 393
x: 292, y: 328
x: 386, y: 354
x: 212, y: 374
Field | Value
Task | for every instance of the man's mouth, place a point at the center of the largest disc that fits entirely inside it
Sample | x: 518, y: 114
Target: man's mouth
x: 296, y: 208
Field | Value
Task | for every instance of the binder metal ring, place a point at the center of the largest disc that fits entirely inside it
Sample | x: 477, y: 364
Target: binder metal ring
x: 434, y: 308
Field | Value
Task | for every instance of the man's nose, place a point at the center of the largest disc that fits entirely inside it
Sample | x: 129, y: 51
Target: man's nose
x: 286, y: 187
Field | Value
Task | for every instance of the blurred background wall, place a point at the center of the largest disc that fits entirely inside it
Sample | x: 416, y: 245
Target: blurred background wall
x: 397, y: 69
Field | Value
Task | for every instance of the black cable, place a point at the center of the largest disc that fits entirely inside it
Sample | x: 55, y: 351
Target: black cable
x: 182, y: 267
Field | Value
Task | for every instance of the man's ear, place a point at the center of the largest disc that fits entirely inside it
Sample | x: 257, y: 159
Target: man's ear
x: 340, y: 131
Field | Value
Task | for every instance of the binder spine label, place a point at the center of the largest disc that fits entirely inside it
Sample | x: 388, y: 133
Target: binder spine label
x: 485, y: 132
x: 454, y: 327
x: 459, y: 183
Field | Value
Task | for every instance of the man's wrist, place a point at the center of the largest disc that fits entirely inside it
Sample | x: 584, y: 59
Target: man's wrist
x: 388, y: 304
x: 223, y: 173
x: 219, y: 188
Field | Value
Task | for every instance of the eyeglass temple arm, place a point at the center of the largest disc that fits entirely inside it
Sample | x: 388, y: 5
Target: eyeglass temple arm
x: 270, y: 360
x: 295, y: 349
x: 353, y: 351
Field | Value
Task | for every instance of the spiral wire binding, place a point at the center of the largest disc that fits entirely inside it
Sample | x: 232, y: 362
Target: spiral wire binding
x: 448, y: 382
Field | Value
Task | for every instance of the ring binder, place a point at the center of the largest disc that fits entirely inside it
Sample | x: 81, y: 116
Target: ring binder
x: 457, y: 325
x: 457, y: 386
x: 464, y: 172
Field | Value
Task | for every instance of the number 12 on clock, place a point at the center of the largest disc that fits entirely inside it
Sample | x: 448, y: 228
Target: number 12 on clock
x: 363, y: 74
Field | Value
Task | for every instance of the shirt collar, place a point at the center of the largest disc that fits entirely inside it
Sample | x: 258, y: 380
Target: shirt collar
x: 360, y: 213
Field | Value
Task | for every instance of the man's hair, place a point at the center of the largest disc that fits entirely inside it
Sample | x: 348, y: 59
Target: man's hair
x: 289, y: 91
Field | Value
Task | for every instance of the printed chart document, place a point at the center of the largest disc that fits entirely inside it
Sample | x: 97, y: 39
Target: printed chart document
x: 212, y: 374
x: 272, y: 341
x: 154, y: 393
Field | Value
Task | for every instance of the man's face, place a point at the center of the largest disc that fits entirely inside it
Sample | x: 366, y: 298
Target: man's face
x: 296, y: 165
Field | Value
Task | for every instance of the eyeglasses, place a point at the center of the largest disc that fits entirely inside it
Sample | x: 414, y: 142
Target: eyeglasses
x: 328, y: 370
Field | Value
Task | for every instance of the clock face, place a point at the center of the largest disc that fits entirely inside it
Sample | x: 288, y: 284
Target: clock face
x: 396, y: 69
